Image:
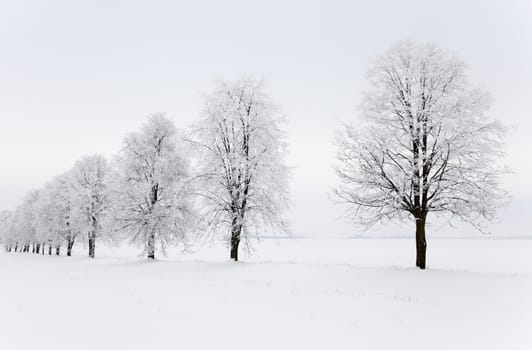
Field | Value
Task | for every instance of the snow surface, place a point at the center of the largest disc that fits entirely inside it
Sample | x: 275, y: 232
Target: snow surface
x: 293, y: 294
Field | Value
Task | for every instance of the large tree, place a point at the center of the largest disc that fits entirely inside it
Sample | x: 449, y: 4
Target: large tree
x: 151, y: 203
x: 241, y: 162
x: 424, y: 144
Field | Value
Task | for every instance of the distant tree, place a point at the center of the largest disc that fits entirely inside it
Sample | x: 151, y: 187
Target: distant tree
x: 45, y: 218
x: 13, y: 234
x: 242, y: 174
x: 89, y: 193
x: 5, y: 234
x: 150, y: 198
x: 20, y: 225
x: 16, y: 230
x: 25, y: 221
x: 424, y: 144
x: 53, y: 215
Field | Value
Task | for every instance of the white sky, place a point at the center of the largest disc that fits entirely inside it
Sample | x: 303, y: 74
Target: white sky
x: 75, y: 76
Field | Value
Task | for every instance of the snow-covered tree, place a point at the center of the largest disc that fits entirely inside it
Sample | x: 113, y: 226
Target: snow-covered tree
x: 12, y: 230
x: 90, y: 197
x: 242, y: 175
x: 20, y: 225
x: 44, y: 218
x: 424, y: 144
x: 151, y: 205
x: 53, y: 215
x: 5, y: 233
x: 16, y: 229
x: 25, y: 221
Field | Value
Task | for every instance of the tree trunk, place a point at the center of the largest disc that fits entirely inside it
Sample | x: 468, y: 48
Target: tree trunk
x: 151, y: 246
x: 33, y: 247
x: 16, y: 247
x: 70, y: 244
x: 235, y: 241
x: 38, y: 248
x: 43, y: 244
x: 421, y: 243
x: 92, y: 245
x: 58, y: 250
x: 151, y: 239
x: 49, y: 249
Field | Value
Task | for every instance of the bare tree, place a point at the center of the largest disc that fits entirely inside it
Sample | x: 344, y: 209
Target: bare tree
x: 424, y: 144
x: 242, y: 172
x: 149, y: 192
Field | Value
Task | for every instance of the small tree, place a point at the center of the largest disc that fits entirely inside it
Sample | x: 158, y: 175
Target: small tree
x: 90, y: 197
x: 25, y: 226
x: 20, y: 226
x: 150, y: 204
x: 53, y: 215
x: 45, y: 218
x: 5, y: 234
x: 13, y: 229
x: 424, y: 145
x: 242, y: 172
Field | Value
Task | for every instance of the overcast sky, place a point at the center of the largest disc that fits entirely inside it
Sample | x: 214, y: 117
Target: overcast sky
x: 76, y: 76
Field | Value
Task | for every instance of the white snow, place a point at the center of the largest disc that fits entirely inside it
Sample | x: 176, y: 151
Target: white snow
x: 294, y: 294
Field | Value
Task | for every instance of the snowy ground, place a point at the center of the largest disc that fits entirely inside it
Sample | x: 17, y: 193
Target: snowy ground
x: 297, y: 294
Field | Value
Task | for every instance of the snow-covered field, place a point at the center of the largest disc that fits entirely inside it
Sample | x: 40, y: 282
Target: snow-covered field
x: 293, y: 294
